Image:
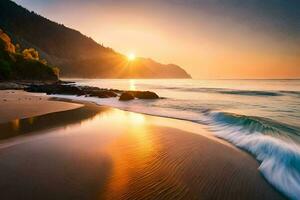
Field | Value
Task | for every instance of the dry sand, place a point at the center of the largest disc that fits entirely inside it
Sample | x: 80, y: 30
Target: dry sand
x: 113, y: 154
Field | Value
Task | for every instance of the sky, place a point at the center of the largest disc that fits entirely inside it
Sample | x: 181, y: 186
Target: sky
x: 210, y: 39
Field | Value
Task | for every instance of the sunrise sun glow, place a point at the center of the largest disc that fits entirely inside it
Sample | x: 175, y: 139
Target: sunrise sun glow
x: 131, y: 56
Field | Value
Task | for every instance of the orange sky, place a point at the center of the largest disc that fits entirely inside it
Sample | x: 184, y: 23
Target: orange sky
x: 209, y: 41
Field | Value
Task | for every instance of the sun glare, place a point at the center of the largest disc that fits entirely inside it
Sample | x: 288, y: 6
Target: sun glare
x: 131, y: 56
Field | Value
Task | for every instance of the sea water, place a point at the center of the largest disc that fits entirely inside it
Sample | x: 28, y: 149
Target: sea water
x: 259, y: 116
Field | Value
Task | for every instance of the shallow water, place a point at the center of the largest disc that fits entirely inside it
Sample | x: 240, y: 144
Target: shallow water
x: 260, y: 116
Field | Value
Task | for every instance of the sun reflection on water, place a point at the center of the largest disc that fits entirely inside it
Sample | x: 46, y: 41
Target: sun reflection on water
x: 132, y: 84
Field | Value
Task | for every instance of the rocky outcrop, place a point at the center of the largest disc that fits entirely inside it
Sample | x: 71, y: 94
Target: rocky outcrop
x: 102, y: 93
x: 144, y: 94
x: 126, y: 96
x: 71, y: 89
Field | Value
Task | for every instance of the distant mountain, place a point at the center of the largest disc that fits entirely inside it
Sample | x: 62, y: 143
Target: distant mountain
x: 75, y: 54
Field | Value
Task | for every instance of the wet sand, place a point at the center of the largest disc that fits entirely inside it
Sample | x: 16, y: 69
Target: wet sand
x: 18, y: 104
x: 107, y: 153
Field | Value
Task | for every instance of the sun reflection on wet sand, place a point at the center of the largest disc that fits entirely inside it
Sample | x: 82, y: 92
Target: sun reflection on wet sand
x: 129, y: 153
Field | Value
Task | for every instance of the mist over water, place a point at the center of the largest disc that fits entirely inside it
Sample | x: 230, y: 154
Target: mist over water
x: 259, y: 116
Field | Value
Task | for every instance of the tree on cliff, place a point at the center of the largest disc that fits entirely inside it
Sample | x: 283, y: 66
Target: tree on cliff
x: 22, y: 66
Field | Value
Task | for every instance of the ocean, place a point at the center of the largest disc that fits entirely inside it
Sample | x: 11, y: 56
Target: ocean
x: 261, y: 117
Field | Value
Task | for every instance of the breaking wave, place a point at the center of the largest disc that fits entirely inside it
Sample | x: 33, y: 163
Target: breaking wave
x: 271, y: 142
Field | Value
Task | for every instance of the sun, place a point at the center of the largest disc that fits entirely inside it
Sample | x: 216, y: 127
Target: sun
x: 131, y: 57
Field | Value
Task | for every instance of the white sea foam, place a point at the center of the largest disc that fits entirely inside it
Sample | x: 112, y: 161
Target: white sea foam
x: 139, y: 106
x: 279, y: 158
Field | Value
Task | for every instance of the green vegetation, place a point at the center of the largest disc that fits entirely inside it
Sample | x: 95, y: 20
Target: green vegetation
x: 22, y: 66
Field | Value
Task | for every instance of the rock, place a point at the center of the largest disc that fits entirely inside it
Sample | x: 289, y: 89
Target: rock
x: 65, y: 82
x: 11, y: 86
x: 126, y: 96
x: 71, y: 89
x: 97, y: 92
x: 144, y: 95
x: 102, y: 94
x: 55, y: 89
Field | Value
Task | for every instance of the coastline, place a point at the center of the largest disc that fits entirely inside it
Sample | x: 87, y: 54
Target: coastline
x: 144, y: 157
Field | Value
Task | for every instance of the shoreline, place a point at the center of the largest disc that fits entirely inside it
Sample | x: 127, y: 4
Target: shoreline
x: 203, y: 150
x: 71, y: 104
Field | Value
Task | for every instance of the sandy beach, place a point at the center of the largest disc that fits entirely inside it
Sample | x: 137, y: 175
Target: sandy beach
x: 83, y: 151
x: 17, y: 104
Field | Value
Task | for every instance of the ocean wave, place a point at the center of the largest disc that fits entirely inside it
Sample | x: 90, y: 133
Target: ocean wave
x: 228, y: 91
x: 297, y: 93
x: 256, y: 124
x: 268, y: 142
x: 250, y: 93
